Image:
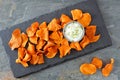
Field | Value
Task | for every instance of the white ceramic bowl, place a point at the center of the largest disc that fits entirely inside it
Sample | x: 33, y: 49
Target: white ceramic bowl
x: 73, y: 31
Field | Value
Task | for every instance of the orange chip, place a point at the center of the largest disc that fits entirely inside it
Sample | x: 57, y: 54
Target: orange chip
x: 90, y: 33
x: 108, y: 68
x: 25, y: 64
x: 21, y: 52
x: 43, y: 33
x: 34, y: 59
x: 88, y: 69
x: 97, y: 62
x: 40, y: 44
x: 24, y: 39
x: 31, y: 49
x: 76, y: 14
x: 16, y: 39
x: 33, y: 39
x: 85, y: 20
x: 90, y: 30
x: 49, y: 44
x: 32, y: 29
x: 65, y: 42
x: 95, y: 38
x: 43, y: 25
x: 54, y: 35
x: 65, y: 19
x: 41, y: 59
x: 75, y: 45
x: 53, y: 25
x: 52, y: 51
x: 85, y: 41
x: 27, y: 57
x: 64, y: 50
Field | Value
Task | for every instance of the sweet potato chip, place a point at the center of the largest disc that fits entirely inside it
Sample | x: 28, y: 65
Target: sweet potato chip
x: 52, y: 51
x: 54, y: 35
x: 16, y: 39
x: 75, y: 45
x: 31, y: 49
x: 85, y: 41
x: 25, y: 64
x: 65, y: 42
x: 53, y: 25
x: 32, y: 29
x: 95, y: 38
x: 97, y: 62
x: 21, y: 53
x: 43, y: 34
x: 27, y: 57
x: 34, y: 59
x: 90, y: 31
x: 43, y: 25
x: 65, y: 19
x: 76, y: 14
x: 24, y: 39
x: 33, y: 39
x: 108, y: 68
x: 41, y: 59
x: 49, y: 44
x: 85, y: 20
x: 64, y: 50
x: 88, y: 69
x: 40, y: 44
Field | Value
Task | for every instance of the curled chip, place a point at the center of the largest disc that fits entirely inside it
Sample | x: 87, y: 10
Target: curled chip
x: 25, y: 64
x: 108, y: 68
x: 16, y: 39
x: 90, y: 33
x: 97, y: 62
x: 85, y: 20
x: 24, y: 39
x: 41, y: 59
x: 32, y: 29
x: 85, y: 41
x: 76, y: 14
x: 65, y: 19
x: 21, y: 53
x: 43, y: 25
x: 40, y: 44
x: 34, y: 59
x: 49, y: 44
x: 88, y: 69
x: 53, y: 25
x: 31, y: 49
x: 75, y: 45
x: 43, y: 33
x: 64, y: 49
x: 51, y: 52
x: 33, y: 39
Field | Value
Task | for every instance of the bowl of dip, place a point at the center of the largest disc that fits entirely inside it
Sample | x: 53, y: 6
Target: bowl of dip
x: 73, y: 31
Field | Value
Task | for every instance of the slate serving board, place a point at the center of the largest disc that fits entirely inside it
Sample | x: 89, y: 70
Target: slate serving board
x: 86, y: 6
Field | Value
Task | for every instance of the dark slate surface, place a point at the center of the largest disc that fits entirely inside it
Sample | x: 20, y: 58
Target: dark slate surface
x: 87, y: 6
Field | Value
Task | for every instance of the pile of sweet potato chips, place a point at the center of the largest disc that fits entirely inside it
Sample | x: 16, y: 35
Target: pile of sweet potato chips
x: 46, y: 39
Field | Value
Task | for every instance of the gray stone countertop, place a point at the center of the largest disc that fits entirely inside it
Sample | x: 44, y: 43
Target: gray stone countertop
x: 16, y: 11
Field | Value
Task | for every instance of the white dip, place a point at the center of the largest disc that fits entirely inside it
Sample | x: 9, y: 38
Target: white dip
x: 73, y: 31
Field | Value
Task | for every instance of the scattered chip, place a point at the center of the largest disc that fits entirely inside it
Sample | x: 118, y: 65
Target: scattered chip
x: 16, y: 39
x: 108, y: 68
x: 76, y: 14
x: 31, y: 49
x: 88, y: 69
x: 97, y: 62
x: 85, y: 20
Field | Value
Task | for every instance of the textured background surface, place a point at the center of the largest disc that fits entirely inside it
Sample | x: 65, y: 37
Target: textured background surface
x: 16, y: 11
